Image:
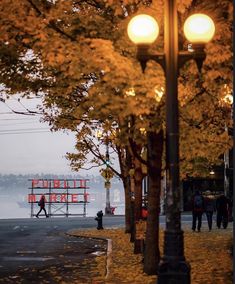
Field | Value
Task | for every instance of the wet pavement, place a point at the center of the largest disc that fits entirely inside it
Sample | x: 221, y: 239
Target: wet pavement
x: 72, y: 260
x: 42, y: 252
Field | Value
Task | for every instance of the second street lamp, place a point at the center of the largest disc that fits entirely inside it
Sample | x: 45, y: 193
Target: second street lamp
x: 173, y: 268
x: 227, y: 103
x: 106, y: 173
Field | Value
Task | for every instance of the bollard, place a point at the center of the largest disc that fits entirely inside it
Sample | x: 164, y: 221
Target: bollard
x: 99, y: 220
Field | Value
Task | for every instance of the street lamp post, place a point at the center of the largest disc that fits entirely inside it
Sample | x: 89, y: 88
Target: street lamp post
x: 173, y: 267
x: 106, y: 173
x: 227, y: 102
x: 107, y: 182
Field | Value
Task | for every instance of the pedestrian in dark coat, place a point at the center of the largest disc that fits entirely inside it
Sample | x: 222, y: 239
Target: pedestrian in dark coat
x: 222, y: 206
x: 197, y: 211
x: 209, y: 208
x: 230, y: 209
x: 41, y: 203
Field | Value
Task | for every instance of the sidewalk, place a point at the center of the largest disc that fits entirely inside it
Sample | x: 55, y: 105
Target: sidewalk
x: 208, y: 254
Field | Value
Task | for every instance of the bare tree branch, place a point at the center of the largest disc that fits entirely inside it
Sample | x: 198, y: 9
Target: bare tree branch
x: 99, y: 156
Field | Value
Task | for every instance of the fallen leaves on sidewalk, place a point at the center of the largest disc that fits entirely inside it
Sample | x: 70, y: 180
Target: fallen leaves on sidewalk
x: 207, y: 253
x: 209, y: 256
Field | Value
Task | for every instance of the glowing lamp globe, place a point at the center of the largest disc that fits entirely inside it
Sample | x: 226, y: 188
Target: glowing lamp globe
x: 143, y: 29
x: 199, y: 29
x: 228, y: 99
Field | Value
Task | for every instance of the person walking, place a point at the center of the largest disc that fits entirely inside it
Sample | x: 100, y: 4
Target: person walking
x: 209, y: 208
x: 41, y: 203
x: 230, y: 209
x: 197, y: 211
x: 222, y: 207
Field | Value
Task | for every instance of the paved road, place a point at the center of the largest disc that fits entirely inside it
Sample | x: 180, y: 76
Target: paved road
x: 36, y: 242
x: 29, y: 244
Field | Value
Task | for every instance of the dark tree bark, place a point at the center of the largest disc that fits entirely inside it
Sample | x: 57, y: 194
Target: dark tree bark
x: 124, y: 157
x: 126, y: 183
x: 152, y: 253
x: 138, y: 177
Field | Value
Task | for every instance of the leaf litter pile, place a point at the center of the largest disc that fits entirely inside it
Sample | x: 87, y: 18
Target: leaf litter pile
x: 209, y: 254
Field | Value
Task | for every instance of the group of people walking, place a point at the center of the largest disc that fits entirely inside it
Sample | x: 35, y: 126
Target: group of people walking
x: 208, y: 205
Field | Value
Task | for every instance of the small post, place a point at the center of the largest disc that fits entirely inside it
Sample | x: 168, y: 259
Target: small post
x: 99, y: 220
x: 32, y: 202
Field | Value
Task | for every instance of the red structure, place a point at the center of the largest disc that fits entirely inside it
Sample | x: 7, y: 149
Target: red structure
x: 59, y: 195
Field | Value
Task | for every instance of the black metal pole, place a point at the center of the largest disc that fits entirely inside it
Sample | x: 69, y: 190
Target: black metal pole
x: 233, y: 197
x: 173, y: 268
x: 107, y: 187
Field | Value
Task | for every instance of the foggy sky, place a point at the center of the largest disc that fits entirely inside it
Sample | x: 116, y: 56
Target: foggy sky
x: 27, y: 145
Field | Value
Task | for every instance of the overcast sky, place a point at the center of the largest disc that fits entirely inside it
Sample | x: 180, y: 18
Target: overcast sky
x: 28, y: 146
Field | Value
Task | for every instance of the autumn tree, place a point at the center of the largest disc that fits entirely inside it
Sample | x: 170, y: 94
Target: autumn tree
x: 81, y: 59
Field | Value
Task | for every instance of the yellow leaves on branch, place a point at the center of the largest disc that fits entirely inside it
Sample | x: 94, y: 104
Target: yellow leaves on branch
x: 104, y: 57
x: 182, y: 5
x: 202, y: 145
x: 57, y: 58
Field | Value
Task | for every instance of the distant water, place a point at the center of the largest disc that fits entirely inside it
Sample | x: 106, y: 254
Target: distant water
x: 16, y: 206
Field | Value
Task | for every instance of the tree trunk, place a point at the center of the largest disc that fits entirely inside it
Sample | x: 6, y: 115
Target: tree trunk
x: 138, y: 199
x: 125, y: 163
x: 152, y: 253
x: 138, y: 177
x: 126, y: 184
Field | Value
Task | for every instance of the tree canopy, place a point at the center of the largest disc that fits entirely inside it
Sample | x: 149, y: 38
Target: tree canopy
x: 78, y: 55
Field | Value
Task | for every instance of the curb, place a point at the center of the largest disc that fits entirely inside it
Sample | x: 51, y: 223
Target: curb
x: 109, y: 257
x: 108, y: 252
